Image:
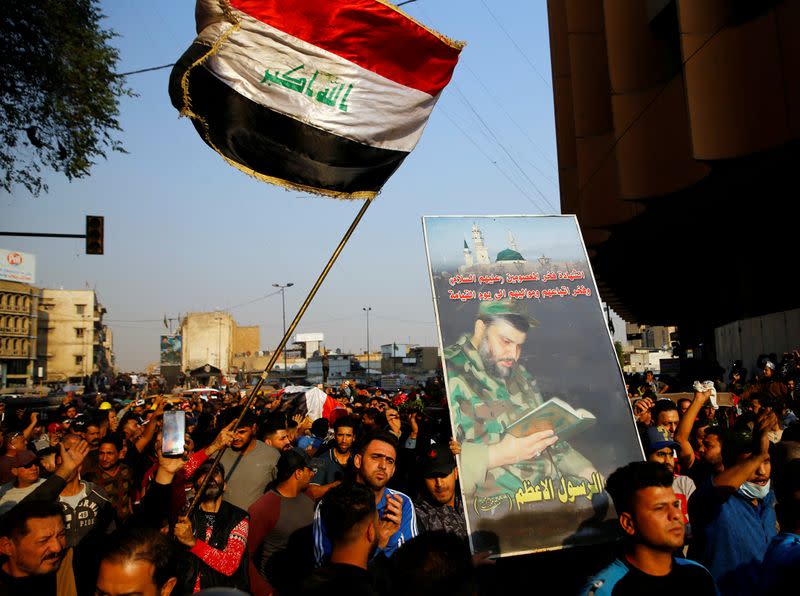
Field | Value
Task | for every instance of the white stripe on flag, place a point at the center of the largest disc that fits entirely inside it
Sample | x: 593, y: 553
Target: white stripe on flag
x: 317, y: 87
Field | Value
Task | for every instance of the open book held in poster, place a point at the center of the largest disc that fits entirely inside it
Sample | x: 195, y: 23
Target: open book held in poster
x: 553, y: 414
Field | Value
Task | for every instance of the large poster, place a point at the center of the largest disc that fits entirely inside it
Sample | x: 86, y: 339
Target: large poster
x: 17, y: 266
x: 171, y: 346
x: 536, y: 394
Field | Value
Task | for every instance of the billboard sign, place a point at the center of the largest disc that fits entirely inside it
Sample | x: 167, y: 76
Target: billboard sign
x: 171, y: 346
x: 536, y: 394
x: 17, y: 266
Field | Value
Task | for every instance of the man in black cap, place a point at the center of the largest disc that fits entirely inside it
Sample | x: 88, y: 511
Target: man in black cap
x: 659, y: 448
x: 489, y: 390
x: 25, y: 468
x: 439, y: 506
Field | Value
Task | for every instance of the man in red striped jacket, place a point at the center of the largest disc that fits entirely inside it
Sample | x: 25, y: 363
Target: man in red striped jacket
x: 216, y: 538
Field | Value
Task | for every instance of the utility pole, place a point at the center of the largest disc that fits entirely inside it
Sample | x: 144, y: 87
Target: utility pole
x: 282, y: 287
x: 366, y: 309
x: 219, y: 345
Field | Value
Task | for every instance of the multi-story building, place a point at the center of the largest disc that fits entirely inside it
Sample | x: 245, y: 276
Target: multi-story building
x: 73, y: 342
x: 414, y: 362
x: 339, y: 368
x: 646, y: 336
x: 18, y: 312
x: 207, y: 340
x: 214, y: 339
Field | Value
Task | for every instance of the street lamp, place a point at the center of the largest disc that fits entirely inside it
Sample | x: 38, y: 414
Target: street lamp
x: 219, y: 345
x: 366, y: 309
x: 283, y: 307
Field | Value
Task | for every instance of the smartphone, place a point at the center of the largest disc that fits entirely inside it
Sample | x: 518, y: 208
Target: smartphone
x: 173, y: 432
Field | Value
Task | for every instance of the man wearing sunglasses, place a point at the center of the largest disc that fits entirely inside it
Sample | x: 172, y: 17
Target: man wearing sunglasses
x: 15, y: 442
x: 25, y: 468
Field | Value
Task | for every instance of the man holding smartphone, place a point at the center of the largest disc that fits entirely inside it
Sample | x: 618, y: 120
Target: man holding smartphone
x: 375, y: 463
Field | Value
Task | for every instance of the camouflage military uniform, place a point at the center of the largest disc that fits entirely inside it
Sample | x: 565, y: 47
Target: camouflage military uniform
x: 483, y: 407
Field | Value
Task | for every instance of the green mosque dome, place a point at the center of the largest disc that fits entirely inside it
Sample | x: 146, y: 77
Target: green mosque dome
x: 509, y: 255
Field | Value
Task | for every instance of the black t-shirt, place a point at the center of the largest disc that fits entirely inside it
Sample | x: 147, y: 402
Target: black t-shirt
x: 41, y: 585
x: 623, y: 579
x: 339, y: 578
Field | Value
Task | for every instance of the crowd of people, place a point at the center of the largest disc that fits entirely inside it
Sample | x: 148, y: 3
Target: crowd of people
x: 731, y: 496
x: 366, y: 500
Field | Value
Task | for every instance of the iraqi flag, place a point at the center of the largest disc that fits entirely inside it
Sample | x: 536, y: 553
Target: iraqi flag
x: 308, y: 401
x: 326, y: 96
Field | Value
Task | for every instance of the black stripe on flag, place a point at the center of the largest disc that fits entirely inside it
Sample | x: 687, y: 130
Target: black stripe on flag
x: 276, y: 145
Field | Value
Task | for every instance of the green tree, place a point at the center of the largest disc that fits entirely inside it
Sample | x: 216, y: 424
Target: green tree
x: 619, y: 351
x: 58, y: 90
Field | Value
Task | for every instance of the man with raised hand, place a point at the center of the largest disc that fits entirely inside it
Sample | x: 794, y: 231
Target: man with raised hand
x: 249, y: 465
x: 733, y: 513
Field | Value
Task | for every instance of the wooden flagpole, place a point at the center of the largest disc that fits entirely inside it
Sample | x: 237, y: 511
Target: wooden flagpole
x: 280, y: 348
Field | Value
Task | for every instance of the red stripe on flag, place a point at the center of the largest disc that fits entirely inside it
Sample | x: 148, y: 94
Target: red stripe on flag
x: 365, y: 32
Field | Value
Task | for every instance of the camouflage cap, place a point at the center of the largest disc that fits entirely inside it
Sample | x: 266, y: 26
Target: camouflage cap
x: 500, y: 308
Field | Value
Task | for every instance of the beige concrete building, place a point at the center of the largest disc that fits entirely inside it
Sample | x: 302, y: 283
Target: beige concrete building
x: 207, y: 339
x: 18, y: 329
x: 73, y: 342
x: 214, y: 338
x: 246, y: 340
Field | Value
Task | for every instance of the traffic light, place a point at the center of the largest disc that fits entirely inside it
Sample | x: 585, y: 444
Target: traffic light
x: 94, y: 234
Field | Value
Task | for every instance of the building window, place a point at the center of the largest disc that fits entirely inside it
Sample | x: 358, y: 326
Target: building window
x: 80, y: 309
x: 78, y: 360
x: 79, y: 331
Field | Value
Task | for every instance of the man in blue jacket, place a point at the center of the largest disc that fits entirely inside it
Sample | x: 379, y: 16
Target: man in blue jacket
x: 374, y: 464
x: 733, y: 513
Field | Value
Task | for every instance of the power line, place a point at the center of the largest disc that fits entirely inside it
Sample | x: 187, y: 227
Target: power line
x: 514, y: 122
x: 492, y: 161
x: 221, y: 309
x: 133, y: 321
x: 519, y: 49
x: 500, y: 144
x: 252, y: 301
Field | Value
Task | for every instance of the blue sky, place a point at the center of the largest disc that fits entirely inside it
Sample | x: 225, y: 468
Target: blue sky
x: 555, y: 237
x: 186, y: 232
